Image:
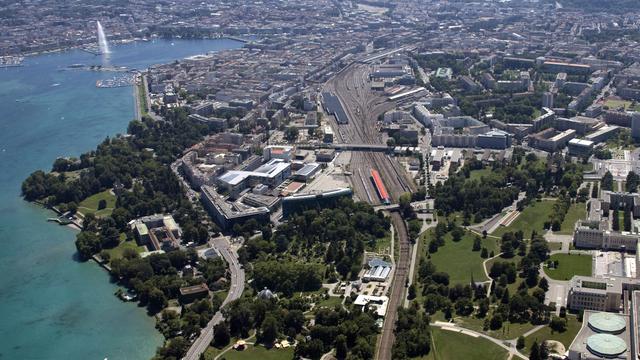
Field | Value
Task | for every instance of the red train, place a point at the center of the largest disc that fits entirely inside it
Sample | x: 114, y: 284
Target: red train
x: 382, y: 191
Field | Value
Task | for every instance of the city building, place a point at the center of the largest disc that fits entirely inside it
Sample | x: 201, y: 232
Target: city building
x: 157, y: 232
x: 551, y: 140
x: 580, y: 147
x: 272, y: 174
x: 378, y: 270
x: 603, y: 335
x: 189, y: 294
x: 296, y: 203
x: 591, y: 293
x: 227, y: 214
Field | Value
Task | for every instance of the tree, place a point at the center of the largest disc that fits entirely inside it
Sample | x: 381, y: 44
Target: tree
x: 221, y: 335
x: 627, y: 220
x: 411, y: 292
x: 595, y: 191
x: 457, y: 233
x: 102, y: 204
x: 615, y: 221
x: 477, y: 243
x: 558, y: 324
x: 341, y: 347
x: 534, y: 352
x: 269, y: 330
x: 87, y: 244
x: 520, y: 342
x: 544, y: 284
x: 632, y: 182
x: 496, y: 322
x: 484, y: 253
x: 157, y: 300
x: 291, y: 134
x: 607, y: 181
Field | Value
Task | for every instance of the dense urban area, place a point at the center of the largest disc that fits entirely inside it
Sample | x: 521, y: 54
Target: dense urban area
x: 364, y: 179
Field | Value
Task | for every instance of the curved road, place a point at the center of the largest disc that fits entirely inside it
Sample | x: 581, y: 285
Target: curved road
x: 235, y: 291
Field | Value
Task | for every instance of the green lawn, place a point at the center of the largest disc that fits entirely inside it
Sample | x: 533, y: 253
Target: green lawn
x: 576, y: 212
x: 554, y: 245
x: 569, y: 265
x: 450, y: 345
x: 259, y: 352
x: 457, y: 259
x: 506, y: 332
x: 566, y: 337
x: 531, y: 218
x: 116, y: 252
x: 331, y: 302
x: 615, y: 104
x: 381, y: 245
x: 90, y: 204
x: 477, y: 174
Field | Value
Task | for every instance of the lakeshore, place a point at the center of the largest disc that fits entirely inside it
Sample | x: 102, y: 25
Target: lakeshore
x: 55, y: 296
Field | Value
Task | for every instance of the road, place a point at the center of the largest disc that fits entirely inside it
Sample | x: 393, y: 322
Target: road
x: 397, y: 295
x: 235, y: 291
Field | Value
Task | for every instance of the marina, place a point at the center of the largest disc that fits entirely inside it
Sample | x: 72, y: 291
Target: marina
x: 114, y: 82
x: 11, y: 61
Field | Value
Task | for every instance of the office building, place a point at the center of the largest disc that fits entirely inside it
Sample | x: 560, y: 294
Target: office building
x: 227, y: 214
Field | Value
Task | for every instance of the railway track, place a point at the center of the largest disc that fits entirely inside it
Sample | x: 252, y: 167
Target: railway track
x: 363, y: 107
x: 397, y: 295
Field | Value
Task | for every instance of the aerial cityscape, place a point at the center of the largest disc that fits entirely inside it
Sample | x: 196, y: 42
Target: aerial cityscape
x: 330, y: 179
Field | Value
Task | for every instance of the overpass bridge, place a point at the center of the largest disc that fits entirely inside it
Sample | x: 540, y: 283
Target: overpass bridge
x: 347, y: 147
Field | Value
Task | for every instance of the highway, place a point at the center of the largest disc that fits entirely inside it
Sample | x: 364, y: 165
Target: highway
x: 397, y: 295
x: 235, y: 291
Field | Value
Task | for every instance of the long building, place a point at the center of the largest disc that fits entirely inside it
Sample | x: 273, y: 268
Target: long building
x: 296, y: 203
x: 227, y: 214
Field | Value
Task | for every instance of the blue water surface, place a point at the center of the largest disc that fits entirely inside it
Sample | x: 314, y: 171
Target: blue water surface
x: 52, y: 306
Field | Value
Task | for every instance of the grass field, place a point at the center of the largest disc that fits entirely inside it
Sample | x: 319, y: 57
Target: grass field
x: 508, y: 330
x: 576, y: 212
x: 449, y: 345
x: 259, y: 352
x: 457, y: 259
x: 331, y: 302
x: 569, y: 265
x: 554, y: 245
x: 90, y: 204
x: 116, y: 252
x: 565, y: 337
x: 615, y: 104
x: 477, y: 174
x: 531, y: 218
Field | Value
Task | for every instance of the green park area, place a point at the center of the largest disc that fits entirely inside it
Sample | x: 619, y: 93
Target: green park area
x: 479, y: 174
x: 531, y: 218
x: 614, y: 104
x: 450, y: 345
x: 93, y: 203
x: 568, y: 265
x: 546, y: 333
x: 251, y: 352
x: 507, y: 331
x: 457, y: 258
x: 118, y: 251
x: 576, y: 212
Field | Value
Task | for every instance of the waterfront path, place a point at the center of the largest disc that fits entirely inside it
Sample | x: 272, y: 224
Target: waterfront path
x: 235, y: 291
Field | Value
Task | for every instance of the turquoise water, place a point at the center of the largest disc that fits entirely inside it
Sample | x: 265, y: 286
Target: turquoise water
x: 52, y: 306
